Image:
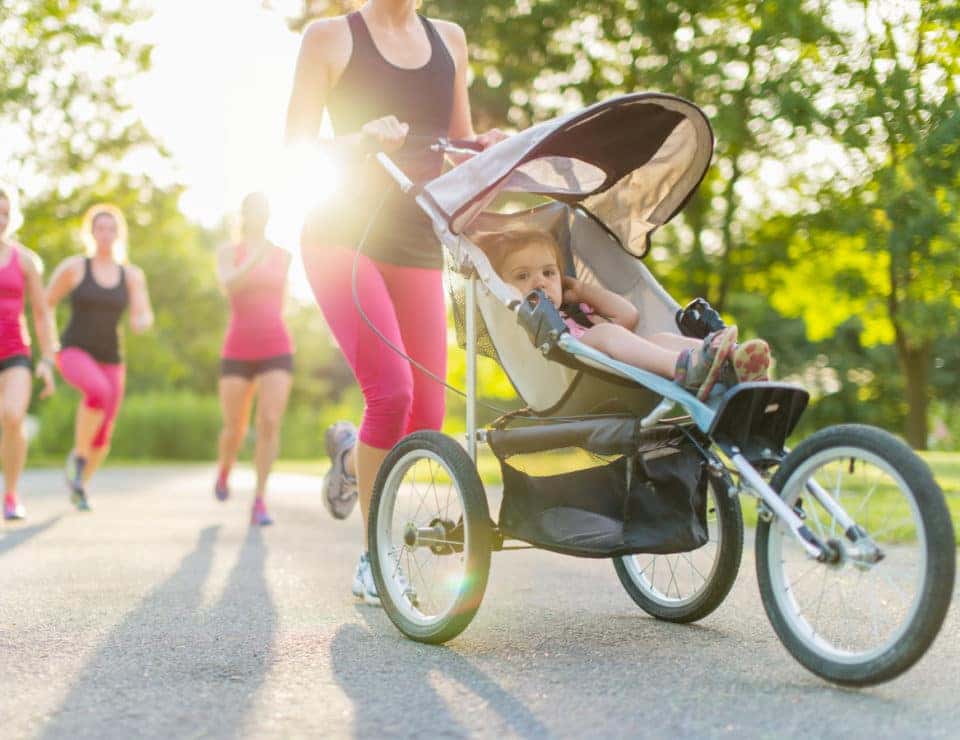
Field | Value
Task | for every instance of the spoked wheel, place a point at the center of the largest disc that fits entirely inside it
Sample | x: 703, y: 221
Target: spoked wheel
x: 871, y: 615
x: 687, y: 586
x: 429, y: 537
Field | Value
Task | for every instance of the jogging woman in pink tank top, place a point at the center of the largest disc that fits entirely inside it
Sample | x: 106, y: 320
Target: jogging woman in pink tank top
x: 381, y: 72
x: 101, y: 285
x: 20, y: 276
x: 257, y: 352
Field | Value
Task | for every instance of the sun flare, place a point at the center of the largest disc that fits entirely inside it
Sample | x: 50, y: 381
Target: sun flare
x: 302, y: 180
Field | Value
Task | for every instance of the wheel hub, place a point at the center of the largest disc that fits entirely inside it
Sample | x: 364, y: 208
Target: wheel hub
x: 442, y: 537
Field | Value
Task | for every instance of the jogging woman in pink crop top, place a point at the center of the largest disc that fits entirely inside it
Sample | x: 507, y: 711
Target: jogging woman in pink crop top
x: 257, y: 351
x: 20, y: 275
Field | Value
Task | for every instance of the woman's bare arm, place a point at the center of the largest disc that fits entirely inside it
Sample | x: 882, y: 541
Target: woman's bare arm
x: 461, y: 119
x: 233, y: 276
x: 42, y: 318
x: 141, y: 312
x: 604, y: 302
x: 324, y: 53
x: 65, y: 278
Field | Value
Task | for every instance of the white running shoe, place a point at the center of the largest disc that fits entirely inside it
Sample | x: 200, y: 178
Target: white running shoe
x: 339, y: 487
x: 363, y: 585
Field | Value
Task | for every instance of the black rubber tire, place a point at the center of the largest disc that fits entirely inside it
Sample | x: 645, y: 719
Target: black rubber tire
x: 463, y: 472
x: 937, y: 588
x: 730, y: 522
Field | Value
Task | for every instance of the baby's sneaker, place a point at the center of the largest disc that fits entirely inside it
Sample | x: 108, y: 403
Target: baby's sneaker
x: 751, y: 361
x: 699, y: 369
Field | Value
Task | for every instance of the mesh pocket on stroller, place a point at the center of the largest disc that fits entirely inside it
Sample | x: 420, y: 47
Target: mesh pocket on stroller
x: 653, y: 500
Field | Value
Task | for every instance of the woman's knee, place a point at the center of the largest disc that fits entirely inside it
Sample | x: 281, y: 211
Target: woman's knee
x: 11, y: 419
x: 429, y: 409
x: 269, y: 424
x: 385, y: 416
x: 103, y: 437
x: 99, y: 397
x: 234, y: 431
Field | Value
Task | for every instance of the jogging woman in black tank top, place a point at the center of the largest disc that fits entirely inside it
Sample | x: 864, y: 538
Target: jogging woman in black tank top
x: 382, y: 72
x: 100, y: 287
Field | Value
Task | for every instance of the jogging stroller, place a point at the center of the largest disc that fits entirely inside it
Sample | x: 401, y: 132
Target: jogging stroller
x: 854, y: 545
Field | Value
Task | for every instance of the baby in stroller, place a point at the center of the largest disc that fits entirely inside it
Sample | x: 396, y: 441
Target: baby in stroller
x: 532, y: 259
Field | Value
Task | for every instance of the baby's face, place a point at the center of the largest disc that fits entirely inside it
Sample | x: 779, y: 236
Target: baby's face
x: 534, y: 266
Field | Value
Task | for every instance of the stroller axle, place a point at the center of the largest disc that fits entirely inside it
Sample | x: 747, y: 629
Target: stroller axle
x: 443, y: 537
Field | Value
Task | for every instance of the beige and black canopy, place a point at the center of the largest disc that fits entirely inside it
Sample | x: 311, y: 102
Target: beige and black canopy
x: 631, y: 161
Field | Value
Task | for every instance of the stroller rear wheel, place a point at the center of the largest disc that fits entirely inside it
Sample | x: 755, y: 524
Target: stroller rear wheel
x: 429, y: 537
x: 687, y: 586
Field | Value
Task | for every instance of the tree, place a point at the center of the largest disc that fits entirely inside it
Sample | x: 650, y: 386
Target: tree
x: 883, y: 242
x: 62, y: 114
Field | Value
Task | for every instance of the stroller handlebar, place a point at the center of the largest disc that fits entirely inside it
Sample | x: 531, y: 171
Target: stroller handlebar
x: 416, y: 142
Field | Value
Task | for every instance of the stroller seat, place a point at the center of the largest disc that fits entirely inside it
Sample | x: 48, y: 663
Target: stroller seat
x: 553, y: 388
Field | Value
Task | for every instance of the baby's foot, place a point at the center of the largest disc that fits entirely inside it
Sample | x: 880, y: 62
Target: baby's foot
x: 751, y: 361
x: 700, y: 368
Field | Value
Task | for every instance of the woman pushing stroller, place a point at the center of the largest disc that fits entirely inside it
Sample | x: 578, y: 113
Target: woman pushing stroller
x: 530, y: 260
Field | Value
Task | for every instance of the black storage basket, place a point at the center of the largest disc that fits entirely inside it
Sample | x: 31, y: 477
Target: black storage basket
x: 652, y: 501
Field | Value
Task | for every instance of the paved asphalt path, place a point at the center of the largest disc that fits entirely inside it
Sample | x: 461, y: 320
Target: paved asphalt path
x: 162, y: 614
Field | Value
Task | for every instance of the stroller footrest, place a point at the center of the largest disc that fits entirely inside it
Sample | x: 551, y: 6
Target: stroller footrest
x: 757, y: 418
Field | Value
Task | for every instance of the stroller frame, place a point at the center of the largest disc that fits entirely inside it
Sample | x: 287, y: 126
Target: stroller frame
x: 471, y: 260
x: 748, y: 423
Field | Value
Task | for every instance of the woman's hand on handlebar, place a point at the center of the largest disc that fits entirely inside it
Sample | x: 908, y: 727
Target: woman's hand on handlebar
x: 385, y: 134
x: 488, y: 138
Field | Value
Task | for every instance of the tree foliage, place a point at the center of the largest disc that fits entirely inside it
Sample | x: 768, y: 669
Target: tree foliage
x: 62, y: 110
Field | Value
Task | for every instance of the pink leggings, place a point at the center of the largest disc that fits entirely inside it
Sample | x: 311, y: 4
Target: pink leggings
x: 406, y: 305
x: 101, y: 384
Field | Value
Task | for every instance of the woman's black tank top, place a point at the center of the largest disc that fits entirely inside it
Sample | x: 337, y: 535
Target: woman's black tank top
x: 369, y: 88
x: 95, y: 315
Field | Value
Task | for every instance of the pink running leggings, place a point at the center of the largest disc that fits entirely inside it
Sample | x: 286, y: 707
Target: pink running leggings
x: 101, y: 384
x: 406, y: 305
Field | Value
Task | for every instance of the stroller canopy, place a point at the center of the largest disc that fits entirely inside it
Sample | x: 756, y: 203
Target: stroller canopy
x: 631, y: 161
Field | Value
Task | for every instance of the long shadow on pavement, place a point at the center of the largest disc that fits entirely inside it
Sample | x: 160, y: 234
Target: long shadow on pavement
x: 389, y: 681
x: 173, y: 669
x: 12, y: 538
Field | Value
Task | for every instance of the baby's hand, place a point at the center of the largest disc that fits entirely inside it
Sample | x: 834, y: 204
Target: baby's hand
x: 571, y: 289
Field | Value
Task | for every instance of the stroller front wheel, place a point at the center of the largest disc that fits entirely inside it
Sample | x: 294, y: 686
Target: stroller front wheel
x: 429, y: 537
